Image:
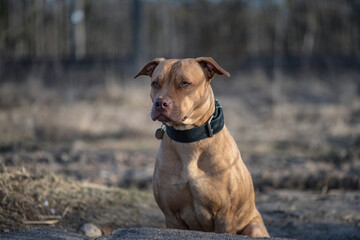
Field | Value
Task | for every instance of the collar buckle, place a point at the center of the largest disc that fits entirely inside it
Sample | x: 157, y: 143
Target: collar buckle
x: 210, y: 131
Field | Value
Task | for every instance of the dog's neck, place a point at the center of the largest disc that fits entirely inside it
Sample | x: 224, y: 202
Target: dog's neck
x: 209, y: 112
x: 207, y: 130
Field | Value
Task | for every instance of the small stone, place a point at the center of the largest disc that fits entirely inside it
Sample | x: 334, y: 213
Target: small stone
x: 90, y: 230
x: 64, y: 157
x: 53, y: 211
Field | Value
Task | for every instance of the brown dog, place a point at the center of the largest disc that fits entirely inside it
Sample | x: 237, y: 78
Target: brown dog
x: 200, y: 181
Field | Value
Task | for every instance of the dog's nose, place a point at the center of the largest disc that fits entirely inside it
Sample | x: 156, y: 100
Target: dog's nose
x: 162, y: 103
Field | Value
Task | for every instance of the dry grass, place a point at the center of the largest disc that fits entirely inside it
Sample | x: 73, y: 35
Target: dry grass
x: 30, y: 200
x: 52, y: 116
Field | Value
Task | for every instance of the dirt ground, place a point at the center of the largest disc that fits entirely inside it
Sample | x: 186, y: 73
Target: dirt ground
x: 72, y: 156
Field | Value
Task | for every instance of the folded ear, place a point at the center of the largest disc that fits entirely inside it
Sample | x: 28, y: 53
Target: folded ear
x: 211, y: 67
x: 149, y: 68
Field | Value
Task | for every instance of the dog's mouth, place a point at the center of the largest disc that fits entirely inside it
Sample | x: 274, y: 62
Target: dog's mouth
x: 161, y: 116
x: 167, y: 116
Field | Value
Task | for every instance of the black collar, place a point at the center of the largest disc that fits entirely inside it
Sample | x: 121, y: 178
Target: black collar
x: 207, y: 130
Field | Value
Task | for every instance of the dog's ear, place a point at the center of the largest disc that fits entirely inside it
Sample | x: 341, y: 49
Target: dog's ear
x: 149, y: 68
x: 211, y: 67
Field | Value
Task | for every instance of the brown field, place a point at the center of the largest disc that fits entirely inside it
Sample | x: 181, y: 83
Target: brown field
x: 73, y: 155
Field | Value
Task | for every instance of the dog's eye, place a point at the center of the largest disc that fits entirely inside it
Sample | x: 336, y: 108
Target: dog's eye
x: 155, y: 84
x: 184, y: 84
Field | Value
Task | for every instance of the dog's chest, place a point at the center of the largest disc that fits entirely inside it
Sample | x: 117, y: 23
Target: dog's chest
x: 187, y: 174
x: 187, y: 188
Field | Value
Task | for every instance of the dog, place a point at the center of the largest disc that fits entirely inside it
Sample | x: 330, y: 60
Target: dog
x: 200, y: 181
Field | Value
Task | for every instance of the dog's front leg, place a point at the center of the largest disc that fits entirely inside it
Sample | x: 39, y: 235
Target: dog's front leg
x: 175, y: 223
x: 223, y: 225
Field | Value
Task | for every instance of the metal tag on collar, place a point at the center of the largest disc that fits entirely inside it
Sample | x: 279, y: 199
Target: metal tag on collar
x: 208, y: 126
x: 159, y: 134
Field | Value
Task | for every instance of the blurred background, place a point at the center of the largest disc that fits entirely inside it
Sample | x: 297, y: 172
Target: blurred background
x: 65, y: 36
x: 69, y: 104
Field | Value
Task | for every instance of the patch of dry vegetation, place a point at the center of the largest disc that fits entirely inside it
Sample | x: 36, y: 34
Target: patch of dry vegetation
x: 29, y: 200
x: 33, y: 114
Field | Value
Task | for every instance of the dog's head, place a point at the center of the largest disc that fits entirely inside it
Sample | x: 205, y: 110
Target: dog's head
x: 180, y: 90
